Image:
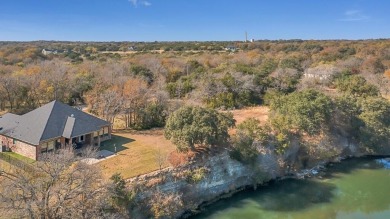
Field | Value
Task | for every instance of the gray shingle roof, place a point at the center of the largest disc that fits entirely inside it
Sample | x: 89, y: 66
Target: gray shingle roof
x: 52, y: 120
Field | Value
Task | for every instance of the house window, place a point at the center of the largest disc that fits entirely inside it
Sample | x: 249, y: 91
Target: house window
x: 14, y: 141
x: 44, y: 148
x: 82, y: 138
x: 50, y: 146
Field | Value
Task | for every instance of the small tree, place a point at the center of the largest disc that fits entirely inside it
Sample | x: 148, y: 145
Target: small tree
x: 190, y: 127
x: 165, y: 205
x: 121, y: 197
x: 376, y: 129
x: 355, y: 85
x: 249, y: 133
x: 161, y: 158
x: 244, y: 149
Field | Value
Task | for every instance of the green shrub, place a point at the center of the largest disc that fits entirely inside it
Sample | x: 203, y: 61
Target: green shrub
x: 354, y: 85
x: 196, y: 176
x: 306, y: 111
x: 190, y: 127
x: 244, y: 149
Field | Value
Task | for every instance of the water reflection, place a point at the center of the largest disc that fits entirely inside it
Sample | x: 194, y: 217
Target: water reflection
x: 357, y: 188
x: 294, y: 195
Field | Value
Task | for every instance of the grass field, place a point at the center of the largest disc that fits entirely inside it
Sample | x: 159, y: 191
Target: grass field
x: 137, y: 152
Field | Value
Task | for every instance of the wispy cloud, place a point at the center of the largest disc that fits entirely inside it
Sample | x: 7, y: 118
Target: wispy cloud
x: 146, y: 3
x: 136, y: 3
x: 355, y: 15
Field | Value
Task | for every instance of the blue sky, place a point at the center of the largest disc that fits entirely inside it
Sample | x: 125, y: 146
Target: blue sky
x: 192, y: 20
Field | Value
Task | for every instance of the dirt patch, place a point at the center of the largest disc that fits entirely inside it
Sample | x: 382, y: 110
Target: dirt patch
x: 259, y: 112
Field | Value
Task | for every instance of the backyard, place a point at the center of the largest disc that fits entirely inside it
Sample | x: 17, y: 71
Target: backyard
x: 137, y: 152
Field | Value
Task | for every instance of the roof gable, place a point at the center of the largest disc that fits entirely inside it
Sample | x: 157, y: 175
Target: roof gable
x: 52, y: 120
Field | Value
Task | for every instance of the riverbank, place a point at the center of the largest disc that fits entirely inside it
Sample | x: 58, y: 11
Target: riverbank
x: 353, y: 188
x: 211, y: 178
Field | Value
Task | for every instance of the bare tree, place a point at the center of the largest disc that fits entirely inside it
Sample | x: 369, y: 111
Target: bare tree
x: 56, y: 74
x: 9, y: 86
x: 59, y: 187
x: 161, y: 158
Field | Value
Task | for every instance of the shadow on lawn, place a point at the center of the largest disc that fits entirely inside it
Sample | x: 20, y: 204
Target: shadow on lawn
x: 116, y: 141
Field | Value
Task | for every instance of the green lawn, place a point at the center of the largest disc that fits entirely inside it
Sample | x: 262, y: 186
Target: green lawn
x: 117, y: 143
x: 19, y: 157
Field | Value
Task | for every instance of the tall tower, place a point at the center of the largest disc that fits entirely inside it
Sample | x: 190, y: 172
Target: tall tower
x: 246, y: 36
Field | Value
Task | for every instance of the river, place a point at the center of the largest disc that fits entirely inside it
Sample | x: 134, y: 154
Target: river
x: 352, y: 189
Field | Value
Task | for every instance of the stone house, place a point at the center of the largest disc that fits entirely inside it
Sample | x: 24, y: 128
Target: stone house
x: 51, y: 127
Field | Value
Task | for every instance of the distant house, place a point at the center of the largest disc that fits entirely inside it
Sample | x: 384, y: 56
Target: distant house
x: 49, y: 51
x: 321, y: 72
x: 50, y: 127
x: 320, y: 76
x: 231, y: 48
x: 132, y: 48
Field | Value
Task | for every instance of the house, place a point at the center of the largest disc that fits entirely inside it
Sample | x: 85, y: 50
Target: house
x: 132, y: 48
x: 321, y: 76
x: 231, y: 48
x: 321, y: 72
x: 49, y: 51
x: 50, y: 127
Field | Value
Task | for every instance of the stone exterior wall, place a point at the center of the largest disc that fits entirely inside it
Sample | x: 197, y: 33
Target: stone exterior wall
x: 19, y: 147
x: 26, y: 150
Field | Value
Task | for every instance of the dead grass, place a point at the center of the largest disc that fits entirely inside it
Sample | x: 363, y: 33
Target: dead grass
x: 137, y: 152
x: 5, y: 166
x: 258, y: 112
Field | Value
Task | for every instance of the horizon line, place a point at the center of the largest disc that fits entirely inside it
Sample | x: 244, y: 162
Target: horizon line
x: 194, y: 41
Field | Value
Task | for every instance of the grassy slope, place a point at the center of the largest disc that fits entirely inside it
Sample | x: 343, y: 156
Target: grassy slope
x: 20, y: 157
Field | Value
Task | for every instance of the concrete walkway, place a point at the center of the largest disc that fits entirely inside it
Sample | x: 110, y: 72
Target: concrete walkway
x: 101, y: 155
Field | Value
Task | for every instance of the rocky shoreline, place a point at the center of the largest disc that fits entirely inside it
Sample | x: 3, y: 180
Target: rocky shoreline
x: 223, y: 177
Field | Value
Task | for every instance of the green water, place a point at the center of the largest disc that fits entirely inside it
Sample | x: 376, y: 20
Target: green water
x: 353, y: 189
